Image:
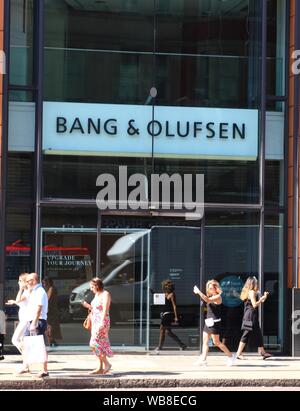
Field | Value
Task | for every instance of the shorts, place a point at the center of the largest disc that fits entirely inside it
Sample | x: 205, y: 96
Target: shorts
x: 215, y: 330
x: 167, y: 319
x: 40, y: 329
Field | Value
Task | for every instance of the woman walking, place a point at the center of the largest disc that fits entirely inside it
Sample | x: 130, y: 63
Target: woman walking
x: 213, y: 321
x: 168, y: 317
x: 22, y: 301
x: 99, y: 341
x: 250, y: 324
x: 54, y: 331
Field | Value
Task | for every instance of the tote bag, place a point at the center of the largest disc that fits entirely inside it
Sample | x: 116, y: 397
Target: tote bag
x: 34, y: 349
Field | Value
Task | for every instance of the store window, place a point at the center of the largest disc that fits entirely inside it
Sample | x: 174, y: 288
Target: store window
x: 274, y: 307
x: 18, y: 254
x: 21, y: 38
x: 231, y: 256
x: 189, y: 51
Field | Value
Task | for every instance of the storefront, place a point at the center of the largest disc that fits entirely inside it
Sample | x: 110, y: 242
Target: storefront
x: 179, y: 87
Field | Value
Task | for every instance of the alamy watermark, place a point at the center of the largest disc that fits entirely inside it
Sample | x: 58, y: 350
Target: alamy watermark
x: 167, y: 192
x: 296, y: 322
x: 2, y: 62
x: 296, y: 63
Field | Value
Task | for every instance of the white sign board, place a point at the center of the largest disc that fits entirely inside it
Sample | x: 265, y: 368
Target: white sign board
x: 127, y: 130
x: 159, y: 299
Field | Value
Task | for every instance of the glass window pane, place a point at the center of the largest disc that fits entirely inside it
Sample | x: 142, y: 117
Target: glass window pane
x: 21, y: 42
x: 18, y: 256
x: 21, y: 146
x: 231, y: 255
x: 274, y: 282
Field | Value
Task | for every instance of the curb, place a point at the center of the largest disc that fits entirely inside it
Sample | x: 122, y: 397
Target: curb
x: 117, y: 383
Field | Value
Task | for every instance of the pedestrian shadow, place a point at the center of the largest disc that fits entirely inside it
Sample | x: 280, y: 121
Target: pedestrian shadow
x: 144, y: 373
x: 283, y: 359
x: 79, y: 373
x: 265, y: 365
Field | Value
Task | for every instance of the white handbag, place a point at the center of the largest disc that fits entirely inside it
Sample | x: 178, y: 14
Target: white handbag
x: 209, y: 322
x: 34, y: 349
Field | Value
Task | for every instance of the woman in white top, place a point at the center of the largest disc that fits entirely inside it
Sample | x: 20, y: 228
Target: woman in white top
x: 22, y: 301
x: 99, y: 341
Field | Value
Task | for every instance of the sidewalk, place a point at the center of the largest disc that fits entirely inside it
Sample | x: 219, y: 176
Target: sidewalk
x: 135, y: 370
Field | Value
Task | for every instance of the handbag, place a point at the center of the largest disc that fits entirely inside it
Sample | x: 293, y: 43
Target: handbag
x: 209, y: 322
x: 34, y: 349
x: 87, y: 323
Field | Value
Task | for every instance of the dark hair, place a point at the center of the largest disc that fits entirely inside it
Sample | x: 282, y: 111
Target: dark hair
x: 168, y: 286
x: 48, y: 281
x: 97, y: 283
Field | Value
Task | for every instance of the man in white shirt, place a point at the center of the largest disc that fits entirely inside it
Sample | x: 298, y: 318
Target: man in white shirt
x: 37, y: 310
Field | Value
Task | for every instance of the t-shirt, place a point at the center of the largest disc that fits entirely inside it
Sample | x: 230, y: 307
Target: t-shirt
x: 23, y: 306
x: 38, y: 296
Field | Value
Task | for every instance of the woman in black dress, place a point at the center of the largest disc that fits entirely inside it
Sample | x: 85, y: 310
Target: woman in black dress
x: 213, y: 322
x: 250, y: 324
x: 169, y: 316
x: 54, y: 332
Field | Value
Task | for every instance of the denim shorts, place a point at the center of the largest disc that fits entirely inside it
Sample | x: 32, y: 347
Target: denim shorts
x: 40, y: 329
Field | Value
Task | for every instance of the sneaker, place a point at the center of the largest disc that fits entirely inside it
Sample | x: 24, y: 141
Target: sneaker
x: 201, y: 362
x: 231, y: 360
x: 1, y: 357
x: 183, y: 347
x: 157, y: 351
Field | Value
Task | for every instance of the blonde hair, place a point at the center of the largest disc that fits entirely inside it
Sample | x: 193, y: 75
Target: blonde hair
x: 250, y: 284
x: 216, y: 284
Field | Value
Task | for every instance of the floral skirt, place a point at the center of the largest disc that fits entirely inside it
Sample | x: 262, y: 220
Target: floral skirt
x: 100, y: 342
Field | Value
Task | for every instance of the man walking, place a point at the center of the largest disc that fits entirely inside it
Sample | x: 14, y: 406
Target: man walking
x: 37, y: 313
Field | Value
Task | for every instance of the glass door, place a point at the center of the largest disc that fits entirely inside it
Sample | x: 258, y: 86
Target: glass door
x: 69, y: 259
x: 124, y: 270
x: 176, y: 256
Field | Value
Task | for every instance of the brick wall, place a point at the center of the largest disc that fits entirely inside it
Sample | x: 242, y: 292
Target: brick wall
x: 290, y: 156
x: 1, y: 81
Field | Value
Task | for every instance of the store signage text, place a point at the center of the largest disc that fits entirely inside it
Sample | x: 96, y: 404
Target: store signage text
x: 66, y: 261
x: 153, y: 128
x: 127, y: 130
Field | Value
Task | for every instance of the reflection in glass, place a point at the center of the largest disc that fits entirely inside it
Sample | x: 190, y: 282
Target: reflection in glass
x: 231, y: 255
x: 21, y: 42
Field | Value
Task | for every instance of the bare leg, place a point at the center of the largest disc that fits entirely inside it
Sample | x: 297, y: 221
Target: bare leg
x: 174, y: 337
x: 263, y: 352
x: 99, y: 369
x: 162, y: 336
x: 205, y: 347
x: 240, y: 349
x: 217, y: 343
x: 106, y: 363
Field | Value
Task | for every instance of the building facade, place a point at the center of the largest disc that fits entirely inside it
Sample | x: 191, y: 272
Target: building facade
x: 124, y: 89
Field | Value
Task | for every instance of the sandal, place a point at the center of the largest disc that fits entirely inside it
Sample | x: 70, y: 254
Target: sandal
x: 23, y: 371
x: 43, y: 374
x: 106, y: 370
x: 266, y: 355
x: 96, y: 372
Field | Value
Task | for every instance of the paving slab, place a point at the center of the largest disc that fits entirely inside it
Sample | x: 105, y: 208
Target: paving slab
x: 136, y: 370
